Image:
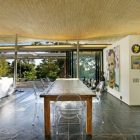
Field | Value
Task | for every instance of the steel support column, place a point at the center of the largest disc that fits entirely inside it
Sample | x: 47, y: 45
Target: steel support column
x: 77, y: 59
x: 15, y: 62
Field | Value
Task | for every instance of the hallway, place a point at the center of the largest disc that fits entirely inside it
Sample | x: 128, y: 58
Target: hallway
x: 113, y: 120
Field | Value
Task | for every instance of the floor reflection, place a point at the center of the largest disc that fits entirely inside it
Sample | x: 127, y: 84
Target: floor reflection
x: 112, y: 119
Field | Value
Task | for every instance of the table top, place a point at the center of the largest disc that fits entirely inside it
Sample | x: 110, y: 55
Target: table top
x: 68, y: 86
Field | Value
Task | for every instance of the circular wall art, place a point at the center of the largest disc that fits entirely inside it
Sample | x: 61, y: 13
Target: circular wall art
x: 136, y: 48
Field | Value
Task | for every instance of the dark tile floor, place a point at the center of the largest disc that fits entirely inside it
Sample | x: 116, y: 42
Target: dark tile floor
x: 112, y: 119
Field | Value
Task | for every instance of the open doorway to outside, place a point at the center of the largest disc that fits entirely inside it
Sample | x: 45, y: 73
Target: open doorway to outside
x: 90, y: 64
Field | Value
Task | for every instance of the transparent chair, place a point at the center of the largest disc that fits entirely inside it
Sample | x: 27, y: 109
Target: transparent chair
x: 99, y: 89
x: 37, y: 93
x: 45, y: 83
x: 69, y: 115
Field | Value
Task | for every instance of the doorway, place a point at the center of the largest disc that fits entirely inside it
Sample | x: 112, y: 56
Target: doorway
x: 90, y: 64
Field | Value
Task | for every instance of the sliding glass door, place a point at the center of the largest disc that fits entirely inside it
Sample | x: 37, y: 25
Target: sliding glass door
x: 90, y: 64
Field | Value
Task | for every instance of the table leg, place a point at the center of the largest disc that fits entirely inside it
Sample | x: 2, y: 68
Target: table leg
x: 89, y: 116
x: 47, y: 116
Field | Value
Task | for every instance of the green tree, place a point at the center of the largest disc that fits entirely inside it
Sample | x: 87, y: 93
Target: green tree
x: 87, y: 66
x: 41, y: 70
x: 28, y: 70
x: 25, y: 69
x: 30, y: 75
x: 49, y: 69
x: 4, y: 67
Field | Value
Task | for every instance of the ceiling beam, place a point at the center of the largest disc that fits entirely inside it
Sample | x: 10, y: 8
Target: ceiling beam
x: 52, y: 47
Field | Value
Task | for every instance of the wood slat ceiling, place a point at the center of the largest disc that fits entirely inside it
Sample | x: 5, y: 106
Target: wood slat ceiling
x: 69, y: 19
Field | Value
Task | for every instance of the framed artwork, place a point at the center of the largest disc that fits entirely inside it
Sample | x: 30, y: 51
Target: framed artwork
x: 135, y: 62
x: 136, y: 48
x: 113, y: 68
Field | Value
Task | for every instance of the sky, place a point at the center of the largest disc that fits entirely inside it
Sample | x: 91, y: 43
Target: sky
x: 37, y: 61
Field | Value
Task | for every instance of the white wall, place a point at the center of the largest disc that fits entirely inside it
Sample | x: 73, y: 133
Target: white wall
x: 134, y: 74
x: 129, y: 90
x: 124, y: 70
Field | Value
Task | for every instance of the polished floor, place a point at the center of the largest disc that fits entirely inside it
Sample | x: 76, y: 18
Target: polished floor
x: 112, y: 119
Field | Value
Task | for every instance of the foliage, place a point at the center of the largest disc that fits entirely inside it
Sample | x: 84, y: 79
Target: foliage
x: 52, y: 74
x: 4, y: 67
x: 53, y: 70
x: 60, y: 63
x: 41, y: 71
x: 29, y: 75
x: 28, y: 70
x: 87, y: 66
x: 25, y: 69
x: 49, y: 69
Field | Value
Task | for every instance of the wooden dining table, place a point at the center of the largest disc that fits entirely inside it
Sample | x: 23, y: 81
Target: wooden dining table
x: 66, y: 87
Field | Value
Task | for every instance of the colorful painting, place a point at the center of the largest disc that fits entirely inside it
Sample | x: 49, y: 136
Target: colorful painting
x: 113, y: 68
x: 136, y: 48
x: 135, y: 62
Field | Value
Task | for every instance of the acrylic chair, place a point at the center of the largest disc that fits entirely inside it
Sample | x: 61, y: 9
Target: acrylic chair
x: 99, y: 89
x: 45, y: 83
x: 69, y: 113
x: 37, y: 93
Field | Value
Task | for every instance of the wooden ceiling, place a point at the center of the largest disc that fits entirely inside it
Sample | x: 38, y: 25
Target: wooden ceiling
x: 69, y: 19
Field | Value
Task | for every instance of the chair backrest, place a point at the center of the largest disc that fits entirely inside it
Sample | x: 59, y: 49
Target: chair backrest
x: 67, y: 108
x: 100, y: 87
x: 47, y: 79
x: 69, y: 112
x: 36, y: 90
x: 43, y: 83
